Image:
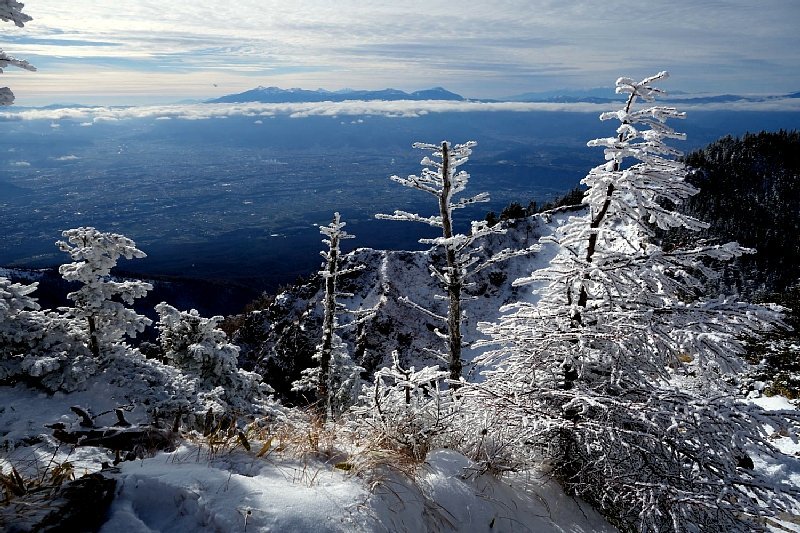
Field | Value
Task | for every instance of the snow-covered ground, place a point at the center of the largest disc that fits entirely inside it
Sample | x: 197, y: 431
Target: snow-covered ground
x: 232, y: 489
x: 781, y: 468
x: 180, y: 491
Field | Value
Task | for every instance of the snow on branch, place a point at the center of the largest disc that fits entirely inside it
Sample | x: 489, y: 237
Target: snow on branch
x: 427, y: 312
x: 11, y: 11
x: 643, y: 89
x: 411, y: 217
x: 6, y: 60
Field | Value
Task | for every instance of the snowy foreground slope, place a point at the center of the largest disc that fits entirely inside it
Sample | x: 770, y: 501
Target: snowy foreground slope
x: 231, y: 489
x: 178, y: 493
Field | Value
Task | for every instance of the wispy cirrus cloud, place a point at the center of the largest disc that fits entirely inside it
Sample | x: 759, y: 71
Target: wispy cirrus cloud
x: 201, y: 48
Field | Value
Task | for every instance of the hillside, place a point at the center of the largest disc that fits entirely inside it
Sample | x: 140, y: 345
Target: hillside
x: 757, y: 177
x: 280, y: 339
x: 750, y: 193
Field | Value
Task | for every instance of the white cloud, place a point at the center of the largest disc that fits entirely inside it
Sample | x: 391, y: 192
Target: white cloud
x: 69, y: 157
x: 402, y: 108
x: 20, y: 164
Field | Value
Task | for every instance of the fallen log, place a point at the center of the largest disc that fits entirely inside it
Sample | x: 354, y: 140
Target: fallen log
x: 137, y: 439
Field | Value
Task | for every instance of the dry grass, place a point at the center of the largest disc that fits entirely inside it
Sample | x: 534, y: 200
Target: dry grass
x: 319, y: 446
x: 304, y: 447
x: 48, y: 477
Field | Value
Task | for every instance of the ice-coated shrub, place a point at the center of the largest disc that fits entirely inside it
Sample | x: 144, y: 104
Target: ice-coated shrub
x: 406, y: 409
x: 101, y: 301
x: 208, y: 374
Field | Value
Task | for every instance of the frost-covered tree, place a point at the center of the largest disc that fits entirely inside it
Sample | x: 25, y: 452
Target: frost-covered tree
x: 211, y: 377
x: 42, y: 348
x: 337, y: 378
x: 344, y: 380
x: 441, y: 178
x: 101, y: 300
x: 408, y: 409
x: 11, y: 11
x: 618, y: 374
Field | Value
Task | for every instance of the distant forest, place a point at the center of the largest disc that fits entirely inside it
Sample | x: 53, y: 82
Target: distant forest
x: 750, y: 193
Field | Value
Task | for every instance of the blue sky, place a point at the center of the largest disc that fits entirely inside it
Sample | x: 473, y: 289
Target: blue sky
x: 146, y: 51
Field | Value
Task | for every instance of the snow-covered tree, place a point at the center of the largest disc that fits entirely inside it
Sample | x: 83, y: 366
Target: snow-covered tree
x: 211, y: 375
x: 101, y: 300
x: 11, y: 11
x: 344, y: 380
x: 441, y: 178
x: 618, y: 373
x: 14, y: 298
x: 337, y: 378
x: 42, y: 348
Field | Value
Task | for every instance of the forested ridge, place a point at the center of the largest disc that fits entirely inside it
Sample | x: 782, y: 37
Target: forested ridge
x: 750, y: 193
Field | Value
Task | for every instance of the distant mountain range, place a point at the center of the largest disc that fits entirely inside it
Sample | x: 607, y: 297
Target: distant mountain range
x: 601, y: 95
x: 606, y: 95
x: 276, y: 95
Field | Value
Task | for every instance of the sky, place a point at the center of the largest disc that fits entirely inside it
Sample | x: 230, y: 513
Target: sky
x: 133, y: 52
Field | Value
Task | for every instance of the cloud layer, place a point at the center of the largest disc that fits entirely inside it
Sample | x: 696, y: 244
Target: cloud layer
x: 155, y: 49
x: 403, y: 108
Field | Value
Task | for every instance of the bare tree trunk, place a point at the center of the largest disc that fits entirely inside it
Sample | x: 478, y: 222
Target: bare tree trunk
x: 454, y: 281
x: 583, y: 297
x: 94, y: 346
